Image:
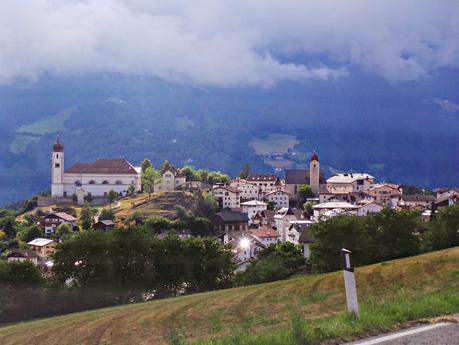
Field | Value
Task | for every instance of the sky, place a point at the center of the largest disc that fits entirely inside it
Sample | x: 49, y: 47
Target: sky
x: 228, y: 43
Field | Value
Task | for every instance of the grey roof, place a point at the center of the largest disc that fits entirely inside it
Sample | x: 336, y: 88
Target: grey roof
x: 417, y: 197
x: 306, y: 236
x: 103, y: 166
x: 301, y: 176
x: 261, y: 178
x: 231, y: 216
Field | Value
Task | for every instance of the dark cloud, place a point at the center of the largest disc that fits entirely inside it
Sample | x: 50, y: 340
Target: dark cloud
x: 227, y: 43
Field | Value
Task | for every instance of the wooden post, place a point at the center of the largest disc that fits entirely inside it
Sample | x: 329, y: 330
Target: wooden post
x: 349, y: 282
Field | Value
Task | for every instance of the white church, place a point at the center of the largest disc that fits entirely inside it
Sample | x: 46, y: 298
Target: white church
x: 95, y: 179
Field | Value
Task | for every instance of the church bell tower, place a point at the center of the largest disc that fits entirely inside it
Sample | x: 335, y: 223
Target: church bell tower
x: 314, y: 173
x: 57, y: 169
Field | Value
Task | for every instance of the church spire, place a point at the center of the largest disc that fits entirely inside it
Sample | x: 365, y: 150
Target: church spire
x: 58, y: 147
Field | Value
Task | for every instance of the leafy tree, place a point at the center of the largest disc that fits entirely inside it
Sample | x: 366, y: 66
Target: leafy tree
x: 132, y: 259
x: 218, y: 177
x: 271, y: 205
x: 278, y: 261
x: 149, y: 178
x: 202, y: 175
x: 188, y: 172
x: 63, y: 232
x: 307, y: 206
x: 444, y: 229
x: 87, y: 198
x: 87, y: 216
x: 200, y: 226
x: 205, y: 205
x: 20, y: 274
x: 393, y: 234
x: 84, y: 260
x: 158, y: 224
x: 28, y: 234
x: 245, y: 171
x: 131, y: 189
x: 166, y: 166
x: 182, y: 213
x: 304, y: 192
x: 111, y: 197
x: 334, y: 234
x: 107, y: 214
x: 9, y: 225
x: 145, y: 165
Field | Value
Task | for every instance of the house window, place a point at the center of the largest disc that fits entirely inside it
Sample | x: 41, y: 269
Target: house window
x: 78, y: 183
x: 92, y: 182
x: 57, y: 165
x: 105, y: 182
x: 119, y: 182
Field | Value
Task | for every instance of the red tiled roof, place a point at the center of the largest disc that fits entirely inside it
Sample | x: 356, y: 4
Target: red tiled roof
x: 103, y: 166
x: 264, y: 232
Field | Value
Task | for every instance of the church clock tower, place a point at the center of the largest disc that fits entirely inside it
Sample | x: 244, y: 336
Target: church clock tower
x: 57, y: 169
x: 314, y: 173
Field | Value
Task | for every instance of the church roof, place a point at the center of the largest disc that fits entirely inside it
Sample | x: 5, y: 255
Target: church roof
x: 301, y: 176
x: 103, y: 166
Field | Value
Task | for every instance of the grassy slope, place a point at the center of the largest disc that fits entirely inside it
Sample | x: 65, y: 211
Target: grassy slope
x: 261, y: 308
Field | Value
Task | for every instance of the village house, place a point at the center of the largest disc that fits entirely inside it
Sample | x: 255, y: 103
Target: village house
x: 349, y: 182
x: 196, y: 186
x: 366, y: 206
x: 104, y: 225
x: 22, y: 255
x: 447, y: 200
x: 249, y: 190
x: 227, y: 197
x: 226, y: 221
x: 282, y: 219
x: 267, y: 236
x: 171, y: 179
x: 279, y: 197
x: 384, y: 192
x: 96, y: 179
x: 52, y: 220
x: 306, y: 239
x: 414, y: 202
x: 43, y: 247
x: 296, y: 228
x: 313, y: 177
x: 336, y: 206
x: 264, y: 182
x: 253, y: 207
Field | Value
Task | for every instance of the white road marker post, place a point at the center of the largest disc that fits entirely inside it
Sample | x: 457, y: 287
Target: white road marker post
x: 349, y: 283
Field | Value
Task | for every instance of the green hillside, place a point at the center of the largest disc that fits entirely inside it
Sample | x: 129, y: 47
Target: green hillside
x: 427, y: 285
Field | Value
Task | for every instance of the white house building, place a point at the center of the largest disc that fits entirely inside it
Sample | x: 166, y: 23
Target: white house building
x: 227, y: 197
x: 282, y: 219
x: 253, y: 207
x: 280, y: 197
x: 249, y: 190
x: 336, y: 207
x: 171, y: 180
x: 266, y: 236
x: 95, y: 179
x: 52, y: 220
x: 349, y: 182
x: 366, y: 207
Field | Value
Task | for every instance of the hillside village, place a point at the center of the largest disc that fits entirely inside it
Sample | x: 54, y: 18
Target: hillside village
x: 254, y: 210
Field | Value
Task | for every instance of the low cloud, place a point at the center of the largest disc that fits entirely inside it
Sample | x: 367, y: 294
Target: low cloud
x: 230, y: 43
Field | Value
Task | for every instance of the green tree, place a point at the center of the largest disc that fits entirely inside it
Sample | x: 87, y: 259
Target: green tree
x: 149, y: 178
x: 107, y: 214
x: 200, y: 226
x: 131, y: 190
x: 111, y: 197
x: 205, y: 205
x: 29, y: 233
x: 334, y: 234
x: 304, y: 192
x: 145, y: 165
x: 202, y: 175
x: 245, y: 171
x: 87, y: 216
x: 443, y: 231
x: 63, y: 232
x: 84, y: 260
x: 20, y: 274
x: 158, y: 224
x: 188, y: 172
x: 307, y: 206
x: 9, y: 226
x: 166, y: 166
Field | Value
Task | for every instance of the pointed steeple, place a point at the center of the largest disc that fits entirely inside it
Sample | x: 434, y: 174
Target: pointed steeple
x: 314, y: 157
x: 58, y: 147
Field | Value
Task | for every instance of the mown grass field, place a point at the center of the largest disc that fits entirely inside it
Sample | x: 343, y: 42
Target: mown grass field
x: 274, y: 143
x: 391, y: 292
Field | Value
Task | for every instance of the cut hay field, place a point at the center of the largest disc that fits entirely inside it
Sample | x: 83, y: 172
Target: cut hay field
x: 260, y: 309
x: 274, y: 143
